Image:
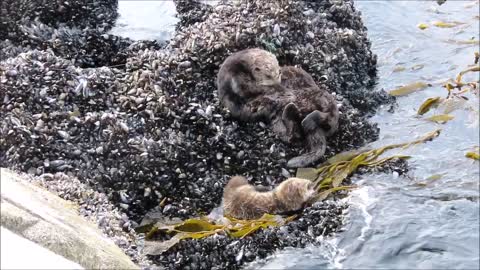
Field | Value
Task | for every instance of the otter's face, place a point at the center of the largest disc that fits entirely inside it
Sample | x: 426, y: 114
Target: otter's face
x: 267, y: 75
x: 265, y: 69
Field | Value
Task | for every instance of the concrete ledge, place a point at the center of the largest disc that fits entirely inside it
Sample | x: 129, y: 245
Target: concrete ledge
x: 53, y: 223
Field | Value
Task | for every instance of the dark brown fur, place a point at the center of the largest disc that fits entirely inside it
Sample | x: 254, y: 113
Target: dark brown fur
x: 298, y: 109
x: 316, y: 109
x: 245, y: 76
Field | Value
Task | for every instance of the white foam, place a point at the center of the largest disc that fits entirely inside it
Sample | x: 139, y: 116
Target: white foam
x: 362, y: 200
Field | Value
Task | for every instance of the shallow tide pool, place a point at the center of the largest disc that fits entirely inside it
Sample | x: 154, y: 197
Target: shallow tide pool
x: 394, y: 221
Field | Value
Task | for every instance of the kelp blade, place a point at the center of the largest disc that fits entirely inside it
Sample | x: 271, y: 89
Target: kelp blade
x: 473, y: 155
x: 202, y: 227
x: 307, y: 173
x: 440, y: 118
x: 472, y: 69
x: 196, y: 225
x: 428, y: 104
x: 447, y: 24
x: 159, y: 247
x: 408, y: 89
x: 422, y: 26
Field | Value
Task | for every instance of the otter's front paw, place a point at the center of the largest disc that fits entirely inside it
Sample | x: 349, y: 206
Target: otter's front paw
x: 291, y: 119
x: 291, y: 113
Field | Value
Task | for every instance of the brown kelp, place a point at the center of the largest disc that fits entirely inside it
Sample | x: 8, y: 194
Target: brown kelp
x: 409, y: 88
x: 456, y: 97
x: 197, y: 228
x: 474, y: 154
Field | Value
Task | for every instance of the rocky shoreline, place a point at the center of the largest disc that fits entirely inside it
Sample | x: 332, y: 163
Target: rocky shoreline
x: 139, y: 123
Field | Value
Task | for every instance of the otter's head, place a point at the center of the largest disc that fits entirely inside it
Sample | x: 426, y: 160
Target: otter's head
x: 265, y: 68
x: 295, y: 193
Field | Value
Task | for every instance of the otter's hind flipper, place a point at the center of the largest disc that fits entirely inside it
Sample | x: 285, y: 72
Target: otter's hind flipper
x: 317, y: 145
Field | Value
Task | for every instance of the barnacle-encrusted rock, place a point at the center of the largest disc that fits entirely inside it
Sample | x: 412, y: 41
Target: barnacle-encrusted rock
x: 152, y: 130
x: 190, y: 12
x: 73, y: 13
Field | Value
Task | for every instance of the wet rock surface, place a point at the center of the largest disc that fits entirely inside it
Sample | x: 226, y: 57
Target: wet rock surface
x: 150, y: 129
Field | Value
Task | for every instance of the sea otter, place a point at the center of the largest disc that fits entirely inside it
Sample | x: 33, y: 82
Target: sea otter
x: 244, y: 201
x: 247, y: 75
x: 311, y: 114
x: 253, y: 87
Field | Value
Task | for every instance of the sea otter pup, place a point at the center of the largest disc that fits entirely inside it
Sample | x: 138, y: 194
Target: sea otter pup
x: 244, y: 201
x: 253, y: 87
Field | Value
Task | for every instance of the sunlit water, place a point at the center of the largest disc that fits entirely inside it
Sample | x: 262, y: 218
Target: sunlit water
x: 393, y: 222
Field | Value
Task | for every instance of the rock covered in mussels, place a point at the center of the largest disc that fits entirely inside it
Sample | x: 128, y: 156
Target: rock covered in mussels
x: 73, y: 13
x: 326, y: 38
x: 190, y: 12
x: 153, y: 131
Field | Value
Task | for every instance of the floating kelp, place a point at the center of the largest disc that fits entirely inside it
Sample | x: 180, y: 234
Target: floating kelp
x: 399, y: 69
x: 475, y: 154
x: 417, y: 67
x: 429, y: 180
x: 329, y: 177
x: 197, y: 228
x: 422, y: 26
x: 440, y: 118
x: 455, y: 99
x: 446, y: 24
x: 428, y: 104
x: 472, y: 41
x: 410, y: 88
x: 458, y: 80
x: 440, y: 24
x: 477, y: 56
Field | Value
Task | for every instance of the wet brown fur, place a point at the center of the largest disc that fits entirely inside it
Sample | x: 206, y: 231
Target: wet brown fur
x: 244, y: 201
x: 298, y: 109
x: 245, y: 76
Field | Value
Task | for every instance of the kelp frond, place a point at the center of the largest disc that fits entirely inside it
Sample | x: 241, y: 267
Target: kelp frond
x: 329, y: 177
x: 197, y: 228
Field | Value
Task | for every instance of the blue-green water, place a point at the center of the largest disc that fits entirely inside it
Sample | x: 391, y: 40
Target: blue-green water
x: 394, y: 222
